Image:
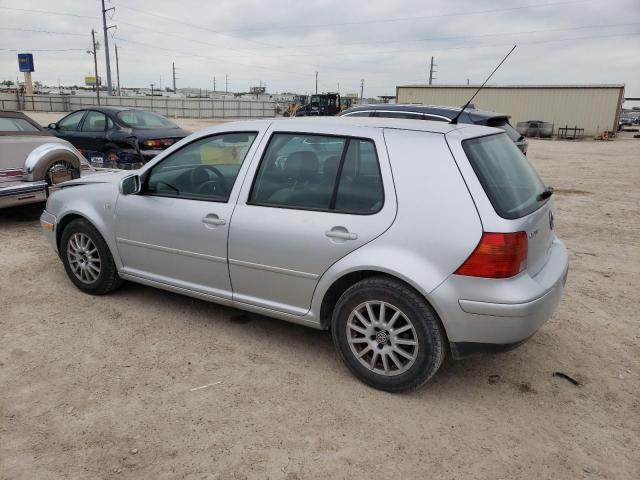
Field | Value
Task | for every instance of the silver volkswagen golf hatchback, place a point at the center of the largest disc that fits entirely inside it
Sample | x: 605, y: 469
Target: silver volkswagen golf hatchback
x: 407, y: 239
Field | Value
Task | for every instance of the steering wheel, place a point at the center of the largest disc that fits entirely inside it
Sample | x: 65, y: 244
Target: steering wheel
x: 200, y: 179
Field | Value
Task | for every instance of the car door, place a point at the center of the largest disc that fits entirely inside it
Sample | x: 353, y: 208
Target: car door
x: 315, y: 196
x: 175, y: 231
x: 68, y: 127
x: 91, y: 136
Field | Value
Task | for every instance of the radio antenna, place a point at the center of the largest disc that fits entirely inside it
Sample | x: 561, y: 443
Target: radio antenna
x: 454, y: 121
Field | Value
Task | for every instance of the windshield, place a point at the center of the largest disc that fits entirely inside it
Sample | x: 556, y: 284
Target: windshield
x: 504, y: 124
x: 144, y: 119
x: 507, y: 177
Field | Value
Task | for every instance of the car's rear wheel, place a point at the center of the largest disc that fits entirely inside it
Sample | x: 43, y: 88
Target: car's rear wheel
x: 87, y: 259
x: 388, y: 335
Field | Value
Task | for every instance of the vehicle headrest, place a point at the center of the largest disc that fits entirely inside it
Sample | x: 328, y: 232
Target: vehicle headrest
x: 302, y: 166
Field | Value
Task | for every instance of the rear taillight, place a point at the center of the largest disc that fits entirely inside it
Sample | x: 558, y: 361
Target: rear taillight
x: 498, y: 255
x: 159, y: 143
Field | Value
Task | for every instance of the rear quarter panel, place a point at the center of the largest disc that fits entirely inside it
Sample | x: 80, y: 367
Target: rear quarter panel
x: 436, y: 226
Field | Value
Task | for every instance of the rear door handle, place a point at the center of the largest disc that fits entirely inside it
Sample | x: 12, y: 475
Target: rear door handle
x: 213, y: 219
x: 341, y: 233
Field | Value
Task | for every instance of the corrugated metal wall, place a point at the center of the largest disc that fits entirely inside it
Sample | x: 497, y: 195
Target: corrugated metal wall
x: 593, y: 108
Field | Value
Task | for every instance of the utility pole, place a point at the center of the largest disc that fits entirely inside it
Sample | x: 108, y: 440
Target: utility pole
x: 467, y: 81
x: 316, y: 82
x: 117, y: 69
x: 431, y: 72
x: 106, y: 45
x: 95, y: 63
x: 361, y: 90
x: 226, y: 83
x: 173, y: 64
x: 214, y: 84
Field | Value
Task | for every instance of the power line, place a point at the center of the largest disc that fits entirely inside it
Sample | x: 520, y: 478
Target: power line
x: 48, y: 12
x: 49, y: 32
x: 412, y: 18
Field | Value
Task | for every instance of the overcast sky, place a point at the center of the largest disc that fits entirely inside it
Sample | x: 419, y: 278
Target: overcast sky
x: 283, y: 43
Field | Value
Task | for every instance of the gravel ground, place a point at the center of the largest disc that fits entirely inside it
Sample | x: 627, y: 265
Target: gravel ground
x: 106, y: 387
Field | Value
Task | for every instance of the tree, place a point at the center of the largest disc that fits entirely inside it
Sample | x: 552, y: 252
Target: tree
x: 7, y: 83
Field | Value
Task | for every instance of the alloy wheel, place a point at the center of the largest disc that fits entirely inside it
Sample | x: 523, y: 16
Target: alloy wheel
x: 84, y: 258
x: 382, y: 338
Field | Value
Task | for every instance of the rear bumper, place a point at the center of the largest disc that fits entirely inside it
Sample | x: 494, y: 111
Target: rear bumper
x: 22, y: 193
x: 485, y: 315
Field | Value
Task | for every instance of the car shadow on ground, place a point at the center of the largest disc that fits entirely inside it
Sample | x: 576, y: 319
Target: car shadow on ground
x: 482, y: 373
x: 21, y: 214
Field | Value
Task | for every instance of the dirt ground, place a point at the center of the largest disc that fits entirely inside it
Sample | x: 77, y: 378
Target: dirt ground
x: 106, y: 387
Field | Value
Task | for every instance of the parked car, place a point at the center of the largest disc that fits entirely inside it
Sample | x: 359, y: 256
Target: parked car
x: 441, y: 114
x: 31, y: 160
x: 118, y: 137
x: 408, y: 239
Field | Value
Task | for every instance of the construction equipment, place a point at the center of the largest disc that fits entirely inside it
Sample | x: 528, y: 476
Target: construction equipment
x: 321, y: 105
x: 292, y: 107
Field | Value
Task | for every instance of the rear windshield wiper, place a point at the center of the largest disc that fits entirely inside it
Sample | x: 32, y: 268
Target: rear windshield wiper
x: 546, y: 194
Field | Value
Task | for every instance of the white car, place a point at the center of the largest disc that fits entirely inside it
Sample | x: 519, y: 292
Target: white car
x: 408, y: 239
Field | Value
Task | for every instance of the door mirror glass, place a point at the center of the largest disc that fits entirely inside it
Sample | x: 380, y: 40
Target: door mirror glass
x: 130, y: 185
x: 53, y: 126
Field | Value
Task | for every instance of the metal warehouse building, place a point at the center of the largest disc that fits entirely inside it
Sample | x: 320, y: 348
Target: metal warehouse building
x: 595, y: 108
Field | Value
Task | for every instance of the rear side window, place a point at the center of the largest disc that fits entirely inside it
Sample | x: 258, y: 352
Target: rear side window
x: 315, y: 172
x: 94, y: 122
x: 509, y: 180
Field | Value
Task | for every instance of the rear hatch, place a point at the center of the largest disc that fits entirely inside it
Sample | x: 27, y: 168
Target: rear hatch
x: 516, y: 193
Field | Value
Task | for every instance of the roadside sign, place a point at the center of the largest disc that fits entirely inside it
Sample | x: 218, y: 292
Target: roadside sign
x: 90, y: 80
x: 25, y: 62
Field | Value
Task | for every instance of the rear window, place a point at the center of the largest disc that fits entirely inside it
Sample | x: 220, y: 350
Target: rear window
x: 507, y: 177
x: 506, y: 126
x: 144, y: 119
x: 16, y: 125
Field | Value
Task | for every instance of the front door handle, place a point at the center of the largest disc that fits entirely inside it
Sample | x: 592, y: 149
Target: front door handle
x: 341, y: 233
x: 213, y: 219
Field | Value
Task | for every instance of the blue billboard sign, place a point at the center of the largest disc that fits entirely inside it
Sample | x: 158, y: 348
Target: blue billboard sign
x: 25, y: 62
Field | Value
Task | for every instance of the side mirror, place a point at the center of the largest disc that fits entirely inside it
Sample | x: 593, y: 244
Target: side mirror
x: 130, y: 185
x: 53, y: 126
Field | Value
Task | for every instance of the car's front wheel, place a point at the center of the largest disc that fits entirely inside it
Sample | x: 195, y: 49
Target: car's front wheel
x: 387, y: 334
x: 87, y: 259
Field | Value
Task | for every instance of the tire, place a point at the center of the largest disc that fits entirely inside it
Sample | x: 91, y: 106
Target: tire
x: 87, y: 259
x: 389, y: 338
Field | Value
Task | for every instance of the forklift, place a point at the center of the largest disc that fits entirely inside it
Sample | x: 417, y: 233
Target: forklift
x: 321, y: 105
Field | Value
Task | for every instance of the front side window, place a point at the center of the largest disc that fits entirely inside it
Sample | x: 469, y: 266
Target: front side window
x: 509, y: 180
x: 203, y: 170
x: 316, y: 172
x: 94, y: 122
x: 71, y: 122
